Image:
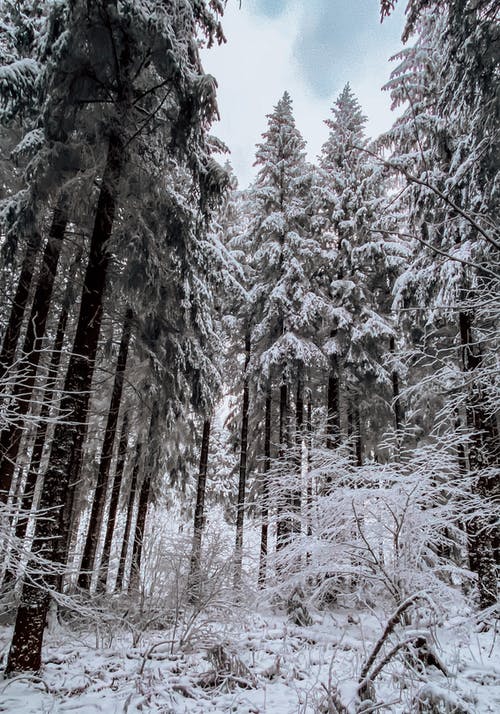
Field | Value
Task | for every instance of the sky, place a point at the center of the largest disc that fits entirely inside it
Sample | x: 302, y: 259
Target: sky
x: 311, y: 48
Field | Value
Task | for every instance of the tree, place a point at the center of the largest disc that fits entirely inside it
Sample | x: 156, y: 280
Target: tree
x: 10, y: 436
x: 199, y: 516
x: 97, y: 512
x: 114, y: 47
x: 240, y: 507
x: 447, y: 158
x: 285, y: 253
x: 358, y: 272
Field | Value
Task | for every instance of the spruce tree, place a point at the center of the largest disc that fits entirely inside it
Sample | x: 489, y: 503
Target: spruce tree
x: 284, y: 257
x: 360, y: 263
x: 113, y: 44
x: 444, y: 147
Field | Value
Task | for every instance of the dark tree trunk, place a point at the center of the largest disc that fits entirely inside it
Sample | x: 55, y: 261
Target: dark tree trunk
x: 283, y: 528
x: 41, y: 432
x: 354, y: 430
x: 130, y: 514
x: 483, y: 453
x: 265, y: 491
x: 194, y: 583
x: 240, y: 512
x: 283, y: 425
x: 16, y: 316
x: 142, y: 509
x: 333, y: 406
x: 10, y: 437
x: 96, y: 516
x: 51, y: 534
x: 299, y: 411
x: 140, y: 529
x: 113, y: 504
x: 296, y: 496
x: 396, y: 399
x: 309, y: 490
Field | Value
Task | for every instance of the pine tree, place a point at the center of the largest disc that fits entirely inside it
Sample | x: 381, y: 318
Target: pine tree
x: 96, y: 516
x: 360, y: 262
x: 285, y: 254
x: 120, y: 46
x: 446, y: 87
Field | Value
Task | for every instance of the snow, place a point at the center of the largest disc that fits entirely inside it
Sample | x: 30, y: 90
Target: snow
x: 289, y: 666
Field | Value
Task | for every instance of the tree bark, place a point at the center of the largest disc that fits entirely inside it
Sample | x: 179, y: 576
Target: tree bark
x: 130, y: 514
x: 396, y: 399
x: 96, y: 516
x: 333, y: 406
x: 240, y: 507
x: 41, y: 432
x: 309, y: 490
x: 283, y: 528
x: 483, y: 453
x: 51, y: 534
x: 194, y: 583
x: 296, y: 496
x: 140, y: 529
x: 142, y: 509
x: 16, y: 316
x: 265, y: 491
x: 10, y: 437
x: 354, y: 430
x: 113, y: 504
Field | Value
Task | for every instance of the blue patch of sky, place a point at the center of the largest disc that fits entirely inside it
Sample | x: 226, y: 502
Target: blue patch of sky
x: 335, y: 37
x: 270, y: 8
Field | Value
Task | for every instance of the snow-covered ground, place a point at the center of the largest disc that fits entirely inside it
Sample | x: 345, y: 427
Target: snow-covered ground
x: 276, y: 667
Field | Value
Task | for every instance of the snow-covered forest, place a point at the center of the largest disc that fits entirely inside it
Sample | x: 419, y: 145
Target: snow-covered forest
x: 249, y: 447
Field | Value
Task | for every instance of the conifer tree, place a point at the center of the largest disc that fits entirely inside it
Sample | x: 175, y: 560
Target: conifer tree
x: 105, y: 38
x: 444, y: 147
x: 285, y: 255
x: 360, y: 264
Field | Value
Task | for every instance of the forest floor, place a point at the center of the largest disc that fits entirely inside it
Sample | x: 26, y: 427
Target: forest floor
x: 270, y: 666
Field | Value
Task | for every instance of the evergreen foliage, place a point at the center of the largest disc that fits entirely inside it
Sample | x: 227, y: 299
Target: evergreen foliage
x: 208, y: 390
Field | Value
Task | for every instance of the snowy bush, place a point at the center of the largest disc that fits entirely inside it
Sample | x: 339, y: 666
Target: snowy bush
x: 376, y: 533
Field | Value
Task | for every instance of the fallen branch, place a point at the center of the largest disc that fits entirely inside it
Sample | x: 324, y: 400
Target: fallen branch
x: 391, y: 624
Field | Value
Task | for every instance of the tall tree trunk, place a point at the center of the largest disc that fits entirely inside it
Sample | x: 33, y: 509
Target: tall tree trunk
x: 240, y: 508
x: 14, y: 324
x: 194, y: 583
x: 283, y: 528
x: 10, y: 437
x: 51, y: 533
x: 41, y: 432
x: 354, y: 430
x: 142, y: 509
x: 309, y: 490
x: 140, y: 529
x: 396, y: 399
x: 113, y: 504
x: 265, y: 491
x: 483, y: 453
x: 39, y: 443
x: 333, y: 406
x: 296, y: 496
x: 130, y: 514
x: 97, y: 512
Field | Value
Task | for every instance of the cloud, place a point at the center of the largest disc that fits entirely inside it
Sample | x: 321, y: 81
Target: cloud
x: 269, y: 8
x: 275, y: 45
x: 334, y: 36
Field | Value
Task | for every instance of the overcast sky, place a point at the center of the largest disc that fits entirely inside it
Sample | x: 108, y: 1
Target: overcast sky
x: 311, y: 48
